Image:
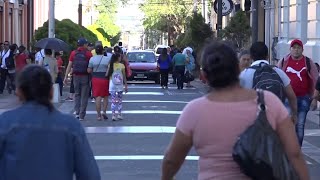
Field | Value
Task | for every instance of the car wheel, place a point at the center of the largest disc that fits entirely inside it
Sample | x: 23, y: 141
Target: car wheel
x: 157, y: 81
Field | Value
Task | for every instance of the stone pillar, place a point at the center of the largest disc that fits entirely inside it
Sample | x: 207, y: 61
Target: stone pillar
x: 16, y: 32
x: 302, y: 20
x: 283, y: 46
x: 312, y: 47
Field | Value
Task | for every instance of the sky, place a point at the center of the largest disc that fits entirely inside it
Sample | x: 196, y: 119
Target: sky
x: 130, y: 17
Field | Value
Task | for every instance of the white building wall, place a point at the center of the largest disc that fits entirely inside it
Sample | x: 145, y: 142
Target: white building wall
x: 299, y: 19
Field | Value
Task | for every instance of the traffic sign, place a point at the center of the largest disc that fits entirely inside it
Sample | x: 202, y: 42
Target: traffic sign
x: 227, y: 7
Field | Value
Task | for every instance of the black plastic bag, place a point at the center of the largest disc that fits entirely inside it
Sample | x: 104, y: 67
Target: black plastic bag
x: 259, y: 152
x: 188, y: 77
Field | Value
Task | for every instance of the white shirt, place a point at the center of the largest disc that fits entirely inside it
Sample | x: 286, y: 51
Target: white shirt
x: 246, y: 76
x: 4, y: 55
x: 39, y: 56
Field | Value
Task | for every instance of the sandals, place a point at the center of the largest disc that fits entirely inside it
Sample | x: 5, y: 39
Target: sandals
x: 105, y: 117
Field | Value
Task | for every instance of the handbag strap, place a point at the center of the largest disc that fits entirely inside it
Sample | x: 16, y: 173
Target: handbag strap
x: 98, y: 64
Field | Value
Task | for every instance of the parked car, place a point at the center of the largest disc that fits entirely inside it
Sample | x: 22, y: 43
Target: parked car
x: 159, y: 49
x: 143, y: 65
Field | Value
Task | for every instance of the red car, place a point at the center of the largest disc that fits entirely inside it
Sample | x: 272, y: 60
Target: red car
x: 143, y: 65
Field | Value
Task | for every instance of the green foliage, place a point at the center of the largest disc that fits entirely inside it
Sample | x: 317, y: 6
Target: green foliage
x: 106, y: 20
x: 166, y: 16
x: 238, y: 29
x: 67, y: 31
x: 196, y: 33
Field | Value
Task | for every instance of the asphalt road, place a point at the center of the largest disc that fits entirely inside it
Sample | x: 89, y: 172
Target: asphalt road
x: 133, y: 148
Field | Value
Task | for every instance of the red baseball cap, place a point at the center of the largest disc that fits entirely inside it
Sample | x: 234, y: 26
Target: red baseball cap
x: 296, y: 41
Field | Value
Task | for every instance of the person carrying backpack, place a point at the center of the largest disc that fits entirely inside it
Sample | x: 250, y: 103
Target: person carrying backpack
x: 78, y: 61
x: 117, y: 84
x: 261, y: 75
x: 303, y: 75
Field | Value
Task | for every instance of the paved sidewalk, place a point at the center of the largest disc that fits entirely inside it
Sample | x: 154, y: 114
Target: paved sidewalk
x: 10, y: 101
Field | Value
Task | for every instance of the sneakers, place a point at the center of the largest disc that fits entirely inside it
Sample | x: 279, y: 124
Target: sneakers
x: 119, y: 117
x: 69, y: 99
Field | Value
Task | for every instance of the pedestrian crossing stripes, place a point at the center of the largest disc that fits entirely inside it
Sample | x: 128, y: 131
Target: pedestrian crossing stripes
x: 153, y: 129
x: 145, y: 93
x: 131, y: 129
x: 154, y: 87
x: 152, y: 101
x: 148, y: 157
x: 142, y: 112
x: 140, y: 157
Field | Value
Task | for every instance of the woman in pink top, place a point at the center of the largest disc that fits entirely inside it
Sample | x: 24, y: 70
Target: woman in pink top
x: 212, y: 123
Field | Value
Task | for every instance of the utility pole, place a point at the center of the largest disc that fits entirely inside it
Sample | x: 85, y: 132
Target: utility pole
x: 219, y: 22
x: 255, y: 14
x: 204, y: 9
x: 16, y: 36
x: 51, y: 31
x: 80, y: 13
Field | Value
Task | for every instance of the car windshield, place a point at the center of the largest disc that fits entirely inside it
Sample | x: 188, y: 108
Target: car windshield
x: 159, y: 50
x: 141, y: 57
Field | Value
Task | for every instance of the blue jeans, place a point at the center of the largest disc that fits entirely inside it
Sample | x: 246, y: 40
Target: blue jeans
x: 303, y: 108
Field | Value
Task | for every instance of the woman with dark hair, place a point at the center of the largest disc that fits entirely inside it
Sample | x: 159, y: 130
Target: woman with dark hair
x: 164, y: 63
x: 98, y: 65
x: 39, y: 142
x: 123, y: 60
x: 244, y: 60
x: 207, y: 124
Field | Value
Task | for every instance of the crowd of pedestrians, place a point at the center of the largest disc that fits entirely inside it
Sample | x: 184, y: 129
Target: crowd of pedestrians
x: 243, y: 84
x: 289, y: 91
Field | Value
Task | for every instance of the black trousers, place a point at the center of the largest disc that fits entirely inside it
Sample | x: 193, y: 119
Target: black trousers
x: 72, y: 86
x: 179, y: 73
x: 164, y: 73
x: 4, y: 74
x: 59, y: 80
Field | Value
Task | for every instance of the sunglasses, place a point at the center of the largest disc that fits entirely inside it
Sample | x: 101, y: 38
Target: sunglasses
x: 6, y: 44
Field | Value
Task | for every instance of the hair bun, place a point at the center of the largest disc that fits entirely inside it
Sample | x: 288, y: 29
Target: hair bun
x: 220, y: 63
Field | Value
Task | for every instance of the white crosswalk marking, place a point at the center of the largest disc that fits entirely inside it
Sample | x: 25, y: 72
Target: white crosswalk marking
x: 142, y: 112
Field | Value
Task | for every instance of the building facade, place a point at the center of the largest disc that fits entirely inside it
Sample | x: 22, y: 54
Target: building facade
x: 293, y: 19
x: 14, y: 21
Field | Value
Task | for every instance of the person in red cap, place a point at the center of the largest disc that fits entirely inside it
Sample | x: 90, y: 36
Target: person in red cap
x: 303, y: 74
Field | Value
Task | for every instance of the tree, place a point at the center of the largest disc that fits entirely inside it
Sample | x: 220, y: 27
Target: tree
x: 67, y: 31
x: 238, y: 29
x: 197, y: 31
x: 166, y: 16
x: 106, y: 20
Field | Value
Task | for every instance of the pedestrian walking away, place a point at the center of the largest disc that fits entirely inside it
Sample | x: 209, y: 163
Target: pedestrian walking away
x: 221, y: 69
x: 98, y: 66
x: 117, y: 84
x: 164, y: 64
x: 261, y: 75
x: 78, y: 61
